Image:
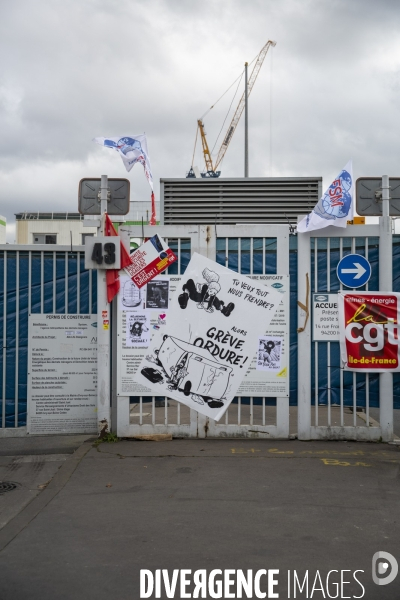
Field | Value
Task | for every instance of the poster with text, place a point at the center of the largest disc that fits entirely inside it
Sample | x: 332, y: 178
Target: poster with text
x: 269, y: 354
x: 199, y: 357
x: 271, y: 382
x: 62, y: 374
x: 134, y: 300
x: 137, y: 329
x: 369, y: 337
x: 130, y: 296
x: 157, y: 294
x: 149, y: 260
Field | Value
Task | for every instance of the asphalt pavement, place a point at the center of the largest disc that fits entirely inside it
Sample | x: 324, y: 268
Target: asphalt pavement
x: 104, y: 513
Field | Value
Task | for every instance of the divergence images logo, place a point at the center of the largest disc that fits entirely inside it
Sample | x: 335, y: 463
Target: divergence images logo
x: 381, y: 561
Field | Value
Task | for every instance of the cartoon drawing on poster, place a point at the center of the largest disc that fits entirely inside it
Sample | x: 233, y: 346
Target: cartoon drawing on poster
x: 190, y: 370
x: 269, y: 353
x: 200, y: 356
x: 205, y: 294
x: 157, y: 294
x: 132, y: 296
x: 137, y: 329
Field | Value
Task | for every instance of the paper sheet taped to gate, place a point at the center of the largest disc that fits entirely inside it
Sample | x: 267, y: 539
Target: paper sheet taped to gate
x: 62, y: 374
x: 268, y: 372
x: 210, y: 338
x: 369, y: 337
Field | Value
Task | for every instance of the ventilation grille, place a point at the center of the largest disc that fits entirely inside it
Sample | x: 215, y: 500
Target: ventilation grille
x: 231, y: 201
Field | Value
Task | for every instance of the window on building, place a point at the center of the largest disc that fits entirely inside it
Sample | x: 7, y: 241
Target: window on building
x: 45, y: 238
x: 85, y: 235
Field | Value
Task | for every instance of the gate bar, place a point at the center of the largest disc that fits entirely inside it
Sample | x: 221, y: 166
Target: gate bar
x: 385, y: 285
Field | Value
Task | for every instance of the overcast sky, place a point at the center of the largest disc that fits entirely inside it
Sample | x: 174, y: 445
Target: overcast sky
x: 70, y: 71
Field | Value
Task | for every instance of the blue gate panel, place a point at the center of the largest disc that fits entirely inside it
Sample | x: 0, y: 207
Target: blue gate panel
x: 38, y: 282
x: 50, y: 281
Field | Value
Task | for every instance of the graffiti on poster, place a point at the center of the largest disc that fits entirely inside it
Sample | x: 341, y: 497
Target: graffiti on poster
x: 369, y: 337
x: 137, y: 329
x: 202, y: 353
x: 269, y: 354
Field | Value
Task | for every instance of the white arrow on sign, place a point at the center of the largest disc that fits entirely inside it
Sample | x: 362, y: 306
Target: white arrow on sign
x: 359, y: 270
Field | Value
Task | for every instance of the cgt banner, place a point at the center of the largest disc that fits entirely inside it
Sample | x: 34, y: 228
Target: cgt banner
x: 212, y: 333
x: 369, y: 340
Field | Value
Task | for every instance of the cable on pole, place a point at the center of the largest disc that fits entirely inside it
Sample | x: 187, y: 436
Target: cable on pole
x: 195, y: 143
x: 229, y: 110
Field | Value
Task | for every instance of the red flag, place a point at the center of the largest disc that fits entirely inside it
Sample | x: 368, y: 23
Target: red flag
x: 112, y: 275
x: 153, y: 210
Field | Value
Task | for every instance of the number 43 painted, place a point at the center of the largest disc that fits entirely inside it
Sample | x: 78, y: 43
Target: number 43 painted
x: 108, y: 255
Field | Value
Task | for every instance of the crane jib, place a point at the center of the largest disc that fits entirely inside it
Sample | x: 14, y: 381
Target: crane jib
x: 211, y: 169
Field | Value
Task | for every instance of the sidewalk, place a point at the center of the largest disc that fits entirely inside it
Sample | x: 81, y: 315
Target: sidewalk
x: 201, y: 504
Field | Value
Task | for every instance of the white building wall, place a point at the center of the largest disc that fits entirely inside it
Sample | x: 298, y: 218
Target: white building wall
x: 26, y: 230
x: 34, y: 224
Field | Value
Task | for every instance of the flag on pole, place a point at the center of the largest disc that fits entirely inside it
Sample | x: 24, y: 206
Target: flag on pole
x: 335, y: 207
x: 112, y: 275
x: 132, y: 150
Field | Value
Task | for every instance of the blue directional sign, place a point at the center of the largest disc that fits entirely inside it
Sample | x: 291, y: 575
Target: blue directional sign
x: 353, y: 270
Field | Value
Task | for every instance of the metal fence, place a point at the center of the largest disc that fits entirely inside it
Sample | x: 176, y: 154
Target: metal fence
x: 251, y: 250
x: 35, y: 280
x: 334, y: 403
x: 45, y: 279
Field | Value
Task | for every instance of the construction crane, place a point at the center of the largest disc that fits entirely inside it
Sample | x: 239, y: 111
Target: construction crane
x: 211, y: 169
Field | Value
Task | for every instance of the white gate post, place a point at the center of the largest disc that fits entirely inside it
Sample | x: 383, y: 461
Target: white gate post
x: 282, y: 266
x: 103, y: 335
x: 207, y: 242
x: 385, y: 285
x: 304, y: 337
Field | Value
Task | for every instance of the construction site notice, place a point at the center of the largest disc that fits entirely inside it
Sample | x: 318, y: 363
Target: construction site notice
x: 62, y: 374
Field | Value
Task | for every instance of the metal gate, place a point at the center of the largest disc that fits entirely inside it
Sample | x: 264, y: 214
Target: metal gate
x: 247, y: 249
x: 333, y: 403
x: 34, y: 279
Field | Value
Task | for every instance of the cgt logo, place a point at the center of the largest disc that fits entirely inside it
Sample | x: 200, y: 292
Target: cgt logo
x: 385, y: 564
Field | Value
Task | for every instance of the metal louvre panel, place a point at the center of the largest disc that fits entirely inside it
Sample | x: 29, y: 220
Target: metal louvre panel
x: 238, y: 200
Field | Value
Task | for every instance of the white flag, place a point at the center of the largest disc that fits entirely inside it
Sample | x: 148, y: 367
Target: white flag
x: 132, y: 149
x: 335, y: 207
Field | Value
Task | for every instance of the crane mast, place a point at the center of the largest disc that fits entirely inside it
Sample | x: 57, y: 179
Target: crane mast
x: 206, y: 151
x: 210, y: 167
x: 236, y: 117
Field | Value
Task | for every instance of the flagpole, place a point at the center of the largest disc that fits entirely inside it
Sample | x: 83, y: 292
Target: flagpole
x: 103, y: 332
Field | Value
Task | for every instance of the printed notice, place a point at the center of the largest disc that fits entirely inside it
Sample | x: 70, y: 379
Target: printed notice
x: 325, y: 318
x: 269, y: 354
x: 62, y: 374
x: 137, y: 326
x: 268, y: 373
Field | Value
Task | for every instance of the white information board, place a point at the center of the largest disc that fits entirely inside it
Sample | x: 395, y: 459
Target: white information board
x: 268, y: 374
x: 147, y: 308
x: 141, y: 312
x: 325, y: 318
x: 62, y: 374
